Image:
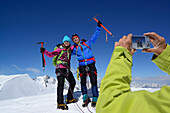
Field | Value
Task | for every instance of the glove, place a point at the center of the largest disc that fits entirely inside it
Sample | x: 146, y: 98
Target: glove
x: 98, y: 23
x: 42, y: 50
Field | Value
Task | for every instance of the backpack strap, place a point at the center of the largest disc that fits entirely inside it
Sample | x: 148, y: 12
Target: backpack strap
x: 81, y: 47
x: 85, y: 45
x: 56, y: 59
x: 61, y: 53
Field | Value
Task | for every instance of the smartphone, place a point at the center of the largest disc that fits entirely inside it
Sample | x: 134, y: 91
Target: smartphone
x: 140, y: 42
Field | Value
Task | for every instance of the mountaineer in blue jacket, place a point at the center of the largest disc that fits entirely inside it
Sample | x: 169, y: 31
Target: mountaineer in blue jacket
x: 82, y: 49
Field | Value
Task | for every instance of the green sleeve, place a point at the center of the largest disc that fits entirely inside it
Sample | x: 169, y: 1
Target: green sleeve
x: 163, y: 60
x: 117, y: 78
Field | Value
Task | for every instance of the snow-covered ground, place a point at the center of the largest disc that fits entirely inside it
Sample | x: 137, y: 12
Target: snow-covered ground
x: 46, y: 104
x: 20, y: 85
x: 39, y: 104
x: 21, y: 94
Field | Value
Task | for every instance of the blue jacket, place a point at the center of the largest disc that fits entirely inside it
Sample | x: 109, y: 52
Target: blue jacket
x: 83, y: 52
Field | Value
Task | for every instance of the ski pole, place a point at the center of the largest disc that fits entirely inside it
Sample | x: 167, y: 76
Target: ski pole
x: 104, y: 28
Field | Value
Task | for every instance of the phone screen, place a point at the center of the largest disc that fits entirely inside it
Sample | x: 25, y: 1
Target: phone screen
x: 140, y: 42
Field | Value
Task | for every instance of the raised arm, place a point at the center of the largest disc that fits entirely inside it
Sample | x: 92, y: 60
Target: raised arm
x: 161, y: 51
x: 93, y: 39
x: 163, y: 60
x: 117, y: 78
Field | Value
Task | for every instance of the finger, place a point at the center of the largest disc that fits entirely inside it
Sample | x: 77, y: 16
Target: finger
x: 156, y: 35
x: 146, y: 34
x: 132, y: 51
x: 129, y: 37
x: 121, y: 40
x: 155, y: 42
x: 124, y: 37
x: 152, y: 41
x: 149, y: 34
x: 153, y: 35
x: 151, y: 50
x: 154, y: 38
x: 135, y: 50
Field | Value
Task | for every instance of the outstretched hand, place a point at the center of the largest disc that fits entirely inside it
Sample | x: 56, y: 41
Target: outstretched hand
x: 126, y: 42
x: 158, y: 43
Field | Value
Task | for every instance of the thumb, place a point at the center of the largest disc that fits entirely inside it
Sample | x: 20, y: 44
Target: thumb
x: 151, y: 50
x: 116, y: 43
x: 132, y: 51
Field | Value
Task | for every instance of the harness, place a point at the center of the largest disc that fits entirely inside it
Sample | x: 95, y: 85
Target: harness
x: 60, y: 61
x: 85, y: 60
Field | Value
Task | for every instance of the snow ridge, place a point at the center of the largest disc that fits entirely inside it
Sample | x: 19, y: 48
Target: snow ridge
x: 19, y: 86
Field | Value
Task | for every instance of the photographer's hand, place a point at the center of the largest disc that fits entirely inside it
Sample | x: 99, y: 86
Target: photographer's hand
x: 158, y: 43
x: 126, y: 41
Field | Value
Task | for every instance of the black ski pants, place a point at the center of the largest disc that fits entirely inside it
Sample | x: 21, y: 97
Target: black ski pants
x: 63, y: 73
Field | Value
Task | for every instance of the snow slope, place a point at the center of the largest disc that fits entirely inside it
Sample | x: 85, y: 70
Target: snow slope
x: 46, y: 104
x: 19, y: 86
x: 40, y: 104
x: 21, y: 94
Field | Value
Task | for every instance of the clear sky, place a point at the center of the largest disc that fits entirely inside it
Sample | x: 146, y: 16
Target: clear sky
x: 26, y: 22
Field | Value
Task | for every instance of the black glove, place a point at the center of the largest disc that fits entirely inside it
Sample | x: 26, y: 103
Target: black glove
x: 42, y: 50
x: 98, y: 23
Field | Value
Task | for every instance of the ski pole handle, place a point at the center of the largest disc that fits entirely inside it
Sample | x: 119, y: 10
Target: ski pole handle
x: 104, y: 27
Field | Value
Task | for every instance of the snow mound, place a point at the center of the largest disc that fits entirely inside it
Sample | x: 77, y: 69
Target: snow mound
x: 20, y: 85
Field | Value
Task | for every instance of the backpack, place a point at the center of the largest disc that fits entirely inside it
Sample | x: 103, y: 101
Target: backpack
x: 57, y: 56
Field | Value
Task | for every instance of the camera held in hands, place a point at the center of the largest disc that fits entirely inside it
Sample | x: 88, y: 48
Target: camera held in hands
x: 140, y: 42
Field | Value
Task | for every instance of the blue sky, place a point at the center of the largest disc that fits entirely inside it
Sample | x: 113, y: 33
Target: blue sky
x: 26, y: 22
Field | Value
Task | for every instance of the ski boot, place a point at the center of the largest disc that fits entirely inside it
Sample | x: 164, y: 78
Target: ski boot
x: 86, y: 100
x: 62, y: 106
x: 94, y: 100
x: 71, y: 101
x: 93, y: 104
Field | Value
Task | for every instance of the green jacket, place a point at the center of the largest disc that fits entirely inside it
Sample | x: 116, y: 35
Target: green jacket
x: 115, y: 94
